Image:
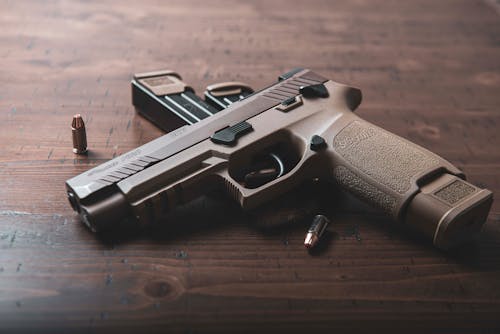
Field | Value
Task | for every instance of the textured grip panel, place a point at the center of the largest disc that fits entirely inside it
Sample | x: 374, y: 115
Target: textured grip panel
x: 454, y: 192
x: 382, y: 156
x: 363, y: 190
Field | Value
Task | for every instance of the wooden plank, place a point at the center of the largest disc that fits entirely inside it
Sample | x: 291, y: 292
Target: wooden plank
x: 429, y: 71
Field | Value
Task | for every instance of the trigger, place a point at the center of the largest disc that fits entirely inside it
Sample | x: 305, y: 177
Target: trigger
x: 265, y: 172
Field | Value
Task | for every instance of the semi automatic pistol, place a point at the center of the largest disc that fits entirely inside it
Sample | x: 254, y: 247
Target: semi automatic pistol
x: 266, y: 144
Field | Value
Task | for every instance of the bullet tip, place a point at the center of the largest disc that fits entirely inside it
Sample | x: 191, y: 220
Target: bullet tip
x: 77, y: 122
x: 310, y: 240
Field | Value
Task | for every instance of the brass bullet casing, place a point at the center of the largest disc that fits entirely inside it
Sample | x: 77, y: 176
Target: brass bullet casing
x: 79, y: 135
x: 316, y: 230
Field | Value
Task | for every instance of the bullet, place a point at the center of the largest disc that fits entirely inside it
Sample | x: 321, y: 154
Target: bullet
x: 79, y: 135
x: 257, y: 178
x: 316, y: 230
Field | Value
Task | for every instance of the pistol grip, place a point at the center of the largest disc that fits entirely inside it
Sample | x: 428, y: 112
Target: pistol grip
x: 415, y: 186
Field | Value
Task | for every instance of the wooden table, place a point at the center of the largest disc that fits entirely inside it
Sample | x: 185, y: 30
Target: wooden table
x: 429, y: 71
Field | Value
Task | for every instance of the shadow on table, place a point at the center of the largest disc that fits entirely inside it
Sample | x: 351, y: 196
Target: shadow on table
x: 484, y: 253
x: 213, y: 213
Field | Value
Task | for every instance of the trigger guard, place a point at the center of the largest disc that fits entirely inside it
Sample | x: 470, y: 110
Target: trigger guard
x: 280, y: 164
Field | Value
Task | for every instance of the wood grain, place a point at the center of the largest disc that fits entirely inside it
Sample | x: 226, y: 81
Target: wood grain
x: 429, y: 71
